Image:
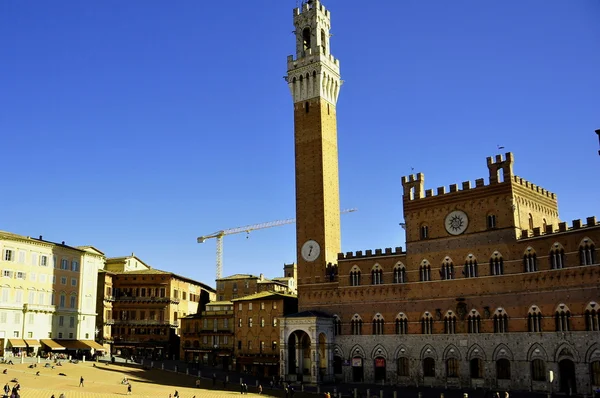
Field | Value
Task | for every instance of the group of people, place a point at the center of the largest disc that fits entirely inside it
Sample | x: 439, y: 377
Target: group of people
x: 13, y: 392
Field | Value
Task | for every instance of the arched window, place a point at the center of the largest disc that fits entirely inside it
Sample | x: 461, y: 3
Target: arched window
x: 592, y: 318
x: 471, y: 270
x: 323, y: 41
x: 452, y: 367
x: 401, y: 324
x: 355, y: 276
x: 427, y: 323
x: 429, y: 367
x: 378, y: 324
x: 503, y: 369
x: 474, y: 322
x: 534, y: 320
x: 530, y: 261
x: 587, y: 252
x: 337, y: 326
x: 425, y: 271
x: 306, y: 38
x: 530, y: 221
x: 500, y: 321
x: 491, y: 221
x: 562, y: 318
x: 403, y: 369
x: 557, y: 257
x: 496, y: 264
x: 447, y: 270
x: 376, y: 275
x: 399, y: 273
x: 538, y: 370
x: 424, y: 232
x: 356, y: 325
x: 476, y: 368
x: 450, y: 323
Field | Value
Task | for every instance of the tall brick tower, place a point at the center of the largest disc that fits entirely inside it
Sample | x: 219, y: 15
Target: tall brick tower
x: 314, y: 81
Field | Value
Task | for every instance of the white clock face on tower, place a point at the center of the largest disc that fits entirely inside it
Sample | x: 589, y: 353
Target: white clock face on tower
x: 310, y: 250
x: 456, y: 222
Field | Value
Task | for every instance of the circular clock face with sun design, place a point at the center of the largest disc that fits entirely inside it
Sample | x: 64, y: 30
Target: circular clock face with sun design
x: 456, y: 222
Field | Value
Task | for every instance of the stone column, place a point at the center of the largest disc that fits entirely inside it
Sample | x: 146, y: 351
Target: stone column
x: 329, y: 353
x: 314, y: 364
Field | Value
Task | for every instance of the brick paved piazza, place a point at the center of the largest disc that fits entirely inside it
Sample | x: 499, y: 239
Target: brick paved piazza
x: 105, y: 381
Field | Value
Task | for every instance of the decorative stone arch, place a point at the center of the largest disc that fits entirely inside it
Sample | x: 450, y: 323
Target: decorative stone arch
x: 377, y: 317
x: 534, y: 309
x: 402, y: 351
x: 425, y: 263
x: 447, y: 260
x: 586, y: 241
x: 399, y: 265
x: 452, y: 351
x: 496, y: 254
x: 357, y: 351
x: 500, y: 311
x: 536, y: 351
x: 355, y: 268
x: 593, y: 353
x: 592, y: 306
x: 338, y: 351
x: 562, y: 307
x: 449, y: 314
x: 474, y: 313
x: 556, y: 246
x: 529, y: 250
x: 401, y: 315
x: 475, y: 351
x: 305, y: 347
x: 428, y: 352
x: 379, y: 351
x: 376, y: 267
x: 566, y: 351
x: 502, y: 352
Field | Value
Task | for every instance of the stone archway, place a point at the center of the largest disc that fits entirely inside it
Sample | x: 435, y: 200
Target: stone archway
x: 299, y: 359
x: 566, y: 376
x: 306, y: 341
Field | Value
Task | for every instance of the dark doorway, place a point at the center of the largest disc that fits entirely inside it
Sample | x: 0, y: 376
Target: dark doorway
x: 379, y: 369
x: 337, y: 365
x: 357, y: 370
x: 568, y: 382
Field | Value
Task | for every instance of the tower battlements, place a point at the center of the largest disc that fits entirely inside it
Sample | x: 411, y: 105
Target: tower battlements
x: 414, y: 184
x: 311, y: 6
x: 562, y: 227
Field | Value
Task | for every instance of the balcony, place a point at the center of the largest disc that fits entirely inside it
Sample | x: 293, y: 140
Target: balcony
x: 142, y: 322
x: 39, y: 308
x: 141, y: 299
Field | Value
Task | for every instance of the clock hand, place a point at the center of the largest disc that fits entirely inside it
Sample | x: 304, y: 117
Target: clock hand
x: 310, y: 251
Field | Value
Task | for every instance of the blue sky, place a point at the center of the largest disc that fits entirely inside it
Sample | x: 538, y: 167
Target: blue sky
x: 136, y: 126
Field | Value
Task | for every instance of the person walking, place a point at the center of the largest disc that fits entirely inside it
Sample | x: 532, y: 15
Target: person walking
x: 6, y: 389
x: 81, y: 381
x: 129, y: 389
x: 260, y: 389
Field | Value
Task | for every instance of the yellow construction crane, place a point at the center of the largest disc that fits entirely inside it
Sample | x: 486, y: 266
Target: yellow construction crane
x: 238, y: 230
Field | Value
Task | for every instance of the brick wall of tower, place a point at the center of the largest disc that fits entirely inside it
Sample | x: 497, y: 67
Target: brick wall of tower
x: 317, y: 185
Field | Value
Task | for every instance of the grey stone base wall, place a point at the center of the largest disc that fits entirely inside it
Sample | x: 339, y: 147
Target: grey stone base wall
x: 582, y: 348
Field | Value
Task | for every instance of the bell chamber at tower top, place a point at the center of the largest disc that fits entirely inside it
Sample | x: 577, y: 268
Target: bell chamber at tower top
x: 313, y: 72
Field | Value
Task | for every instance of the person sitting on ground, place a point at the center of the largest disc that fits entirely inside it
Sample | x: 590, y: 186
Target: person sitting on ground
x: 10, y: 362
x: 37, y: 373
x: 30, y: 366
x: 47, y: 365
x: 5, y: 371
x: 62, y: 374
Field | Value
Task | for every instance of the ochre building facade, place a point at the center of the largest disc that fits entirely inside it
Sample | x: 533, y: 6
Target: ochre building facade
x: 493, y: 290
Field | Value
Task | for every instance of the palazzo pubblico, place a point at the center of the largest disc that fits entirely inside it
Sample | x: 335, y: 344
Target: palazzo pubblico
x: 492, y: 290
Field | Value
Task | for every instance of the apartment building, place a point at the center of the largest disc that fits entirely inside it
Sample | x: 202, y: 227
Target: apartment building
x: 48, y: 293
x: 142, y: 307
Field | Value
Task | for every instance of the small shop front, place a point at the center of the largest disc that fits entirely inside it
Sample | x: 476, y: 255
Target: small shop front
x: 17, y: 347
x: 260, y: 366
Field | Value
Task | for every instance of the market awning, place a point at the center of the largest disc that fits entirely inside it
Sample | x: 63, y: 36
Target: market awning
x: 74, y: 345
x: 93, y: 344
x: 32, y: 343
x: 17, y: 343
x: 53, y: 345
